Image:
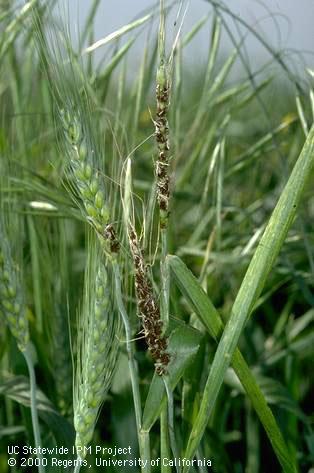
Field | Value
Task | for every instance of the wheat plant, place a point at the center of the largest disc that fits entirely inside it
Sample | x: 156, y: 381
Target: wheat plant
x: 156, y: 245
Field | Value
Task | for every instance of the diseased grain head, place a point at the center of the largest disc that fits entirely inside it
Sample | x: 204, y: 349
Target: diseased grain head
x: 162, y: 127
x: 148, y: 307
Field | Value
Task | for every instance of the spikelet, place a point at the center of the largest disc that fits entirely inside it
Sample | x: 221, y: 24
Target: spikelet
x: 97, y: 351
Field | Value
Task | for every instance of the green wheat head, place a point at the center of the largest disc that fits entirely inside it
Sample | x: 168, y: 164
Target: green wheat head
x: 98, y: 345
x: 12, y: 299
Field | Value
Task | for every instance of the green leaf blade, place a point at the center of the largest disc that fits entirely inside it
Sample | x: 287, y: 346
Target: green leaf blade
x: 208, y: 314
x: 251, y: 287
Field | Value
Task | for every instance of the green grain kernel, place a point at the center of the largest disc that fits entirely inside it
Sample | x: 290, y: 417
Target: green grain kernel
x: 88, y: 171
x: 100, y: 292
x: 74, y: 132
x: 93, y: 374
x: 89, y: 417
x: 82, y: 152
x: 105, y: 214
x: 94, y: 186
x: 96, y: 335
x: 103, y: 325
x: 98, y: 311
x: 79, y: 423
x: 94, y: 402
x: 99, y: 199
x: 79, y: 174
x: 92, y: 212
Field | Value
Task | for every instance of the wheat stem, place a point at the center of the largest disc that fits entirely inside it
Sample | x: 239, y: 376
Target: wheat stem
x: 166, y: 418
x: 173, y: 442
x: 77, y: 466
x: 34, y: 412
x: 164, y: 441
x: 143, y: 436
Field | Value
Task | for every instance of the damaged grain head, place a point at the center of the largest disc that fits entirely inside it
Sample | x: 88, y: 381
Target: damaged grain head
x: 148, y: 308
x: 162, y: 139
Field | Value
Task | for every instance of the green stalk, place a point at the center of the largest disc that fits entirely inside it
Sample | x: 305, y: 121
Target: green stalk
x: 172, y: 437
x: 251, y: 287
x: 164, y: 270
x: 143, y: 436
x: 291, y: 363
x: 77, y: 466
x: 252, y: 441
x: 8, y: 402
x: 164, y: 441
x: 200, y: 456
x: 166, y: 417
x: 34, y: 413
